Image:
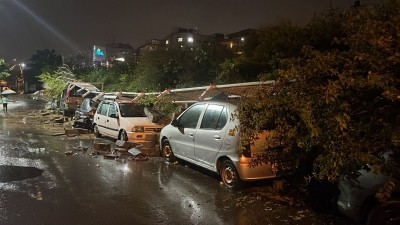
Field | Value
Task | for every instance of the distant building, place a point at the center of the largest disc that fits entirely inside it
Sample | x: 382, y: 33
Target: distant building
x: 180, y: 38
x: 190, y: 38
x: 150, y: 45
x: 236, y: 41
x: 111, y: 53
x: 185, y: 38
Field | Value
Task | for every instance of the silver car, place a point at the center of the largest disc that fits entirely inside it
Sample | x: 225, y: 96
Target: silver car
x: 206, y: 134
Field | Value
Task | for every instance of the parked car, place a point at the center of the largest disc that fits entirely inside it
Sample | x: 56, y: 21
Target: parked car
x: 73, y: 95
x: 206, y: 135
x: 84, y: 114
x: 357, y: 198
x: 125, y: 120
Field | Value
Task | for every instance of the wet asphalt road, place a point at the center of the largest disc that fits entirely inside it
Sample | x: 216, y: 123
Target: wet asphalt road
x: 39, y: 184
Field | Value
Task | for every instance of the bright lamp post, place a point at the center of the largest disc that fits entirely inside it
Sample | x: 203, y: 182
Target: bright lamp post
x: 20, y: 78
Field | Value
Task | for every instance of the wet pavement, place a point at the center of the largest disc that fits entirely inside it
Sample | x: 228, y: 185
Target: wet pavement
x: 40, y: 184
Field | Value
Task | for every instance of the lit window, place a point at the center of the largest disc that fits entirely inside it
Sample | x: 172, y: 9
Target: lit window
x: 180, y: 39
x: 231, y: 45
x: 190, y: 39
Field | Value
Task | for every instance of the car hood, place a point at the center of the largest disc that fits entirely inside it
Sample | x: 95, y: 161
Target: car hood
x: 138, y: 121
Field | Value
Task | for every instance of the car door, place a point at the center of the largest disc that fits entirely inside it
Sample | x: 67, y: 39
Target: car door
x: 101, y: 117
x: 211, y: 134
x: 183, y: 136
x: 112, y: 121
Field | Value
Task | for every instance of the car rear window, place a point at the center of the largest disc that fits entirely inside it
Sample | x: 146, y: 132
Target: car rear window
x: 131, y: 110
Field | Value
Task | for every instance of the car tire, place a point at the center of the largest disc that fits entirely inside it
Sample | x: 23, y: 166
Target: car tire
x: 229, y: 175
x: 96, y: 131
x: 166, y: 151
x: 123, y: 136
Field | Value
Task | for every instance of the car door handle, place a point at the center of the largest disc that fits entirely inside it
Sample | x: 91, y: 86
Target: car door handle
x: 191, y: 134
x: 217, y: 137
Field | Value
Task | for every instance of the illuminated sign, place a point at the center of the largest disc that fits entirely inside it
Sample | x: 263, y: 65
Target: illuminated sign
x: 99, y: 52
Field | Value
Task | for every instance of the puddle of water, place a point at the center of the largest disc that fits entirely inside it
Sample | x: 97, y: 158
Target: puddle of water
x: 18, y: 173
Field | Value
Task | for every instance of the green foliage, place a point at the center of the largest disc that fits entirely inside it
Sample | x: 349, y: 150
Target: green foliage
x: 238, y: 70
x: 339, y: 105
x: 167, y: 108
x: 115, y: 78
x: 4, y: 69
x: 54, y: 84
x: 159, y: 70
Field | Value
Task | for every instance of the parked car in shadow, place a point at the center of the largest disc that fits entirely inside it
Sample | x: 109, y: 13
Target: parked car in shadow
x: 357, y: 199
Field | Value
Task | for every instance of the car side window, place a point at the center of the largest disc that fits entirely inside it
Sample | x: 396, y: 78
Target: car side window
x: 190, y: 118
x: 103, y: 109
x: 223, y: 119
x: 113, y: 112
x: 212, y: 116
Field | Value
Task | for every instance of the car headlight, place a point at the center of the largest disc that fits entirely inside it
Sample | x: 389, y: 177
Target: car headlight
x: 138, y: 129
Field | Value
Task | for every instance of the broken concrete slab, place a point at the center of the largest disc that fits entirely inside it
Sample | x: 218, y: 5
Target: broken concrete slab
x: 126, y: 144
x: 151, y: 152
x: 123, y: 151
x: 68, y: 153
x: 80, y: 148
x: 71, y: 131
x: 110, y: 156
x: 102, y: 147
x: 137, y: 155
x: 82, y: 131
x: 45, y: 113
x: 59, y: 120
x: 135, y: 151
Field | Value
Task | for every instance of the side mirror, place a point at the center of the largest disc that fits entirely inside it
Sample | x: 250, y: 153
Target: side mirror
x: 175, y: 123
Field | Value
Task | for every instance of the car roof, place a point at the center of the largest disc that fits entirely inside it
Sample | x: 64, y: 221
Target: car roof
x: 220, y: 101
x: 119, y: 101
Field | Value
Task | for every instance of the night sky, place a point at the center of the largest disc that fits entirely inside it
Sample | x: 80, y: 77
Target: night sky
x: 69, y: 25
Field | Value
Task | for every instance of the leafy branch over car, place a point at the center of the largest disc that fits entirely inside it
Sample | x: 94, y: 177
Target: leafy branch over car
x: 339, y: 106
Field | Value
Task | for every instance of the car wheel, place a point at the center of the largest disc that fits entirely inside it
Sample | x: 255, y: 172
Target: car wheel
x: 123, y: 136
x: 166, y: 151
x: 96, y: 131
x: 229, y: 175
x: 385, y: 214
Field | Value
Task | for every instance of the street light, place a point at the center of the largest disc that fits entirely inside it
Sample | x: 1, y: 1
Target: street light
x: 20, y: 79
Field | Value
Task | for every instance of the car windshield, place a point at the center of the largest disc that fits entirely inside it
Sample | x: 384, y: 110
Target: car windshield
x: 131, y: 110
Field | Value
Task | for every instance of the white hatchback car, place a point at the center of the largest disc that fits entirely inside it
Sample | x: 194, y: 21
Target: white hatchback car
x: 206, y: 135
x: 124, y: 120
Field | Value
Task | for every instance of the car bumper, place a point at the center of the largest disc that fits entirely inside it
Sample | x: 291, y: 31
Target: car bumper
x: 147, y: 139
x: 347, y: 208
x: 249, y: 173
